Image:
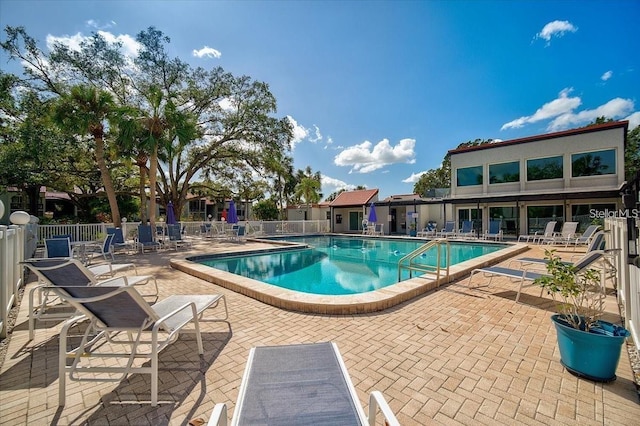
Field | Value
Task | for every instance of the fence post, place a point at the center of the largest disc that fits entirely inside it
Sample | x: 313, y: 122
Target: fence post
x: 4, y: 281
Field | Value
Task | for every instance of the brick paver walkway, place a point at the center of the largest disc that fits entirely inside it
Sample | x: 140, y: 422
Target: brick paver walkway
x: 454, y: 356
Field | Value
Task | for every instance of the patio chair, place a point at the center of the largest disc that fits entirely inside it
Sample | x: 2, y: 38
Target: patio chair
x: 495, y: 230
x: 428, y: 231
x: 58, y: 247
x: 121, y: 316
x: 535, y: 237
x: 118, y: 242
x: 523, y: 275
x: 69, y: 272
x: 102, y: 249
x: 586, y: 237
x: 365, y: 227
x: 300, y: 384
x: 565, y: 236
x: 145, y: 239
x: 467, y: 230
x: 175, y: 237
x: 448, y: 230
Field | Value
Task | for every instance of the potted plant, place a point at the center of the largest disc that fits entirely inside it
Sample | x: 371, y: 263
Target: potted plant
x: 589, y: 347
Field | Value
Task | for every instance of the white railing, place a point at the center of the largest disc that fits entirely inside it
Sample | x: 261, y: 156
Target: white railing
x: 11, y: 254
x: 627, y: 275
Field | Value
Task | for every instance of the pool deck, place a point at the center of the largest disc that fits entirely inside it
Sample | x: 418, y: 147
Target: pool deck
x: 453, y: 356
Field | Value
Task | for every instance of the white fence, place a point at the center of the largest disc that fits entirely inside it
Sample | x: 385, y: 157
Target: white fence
x: 628, y: 275
x: 12, y: 248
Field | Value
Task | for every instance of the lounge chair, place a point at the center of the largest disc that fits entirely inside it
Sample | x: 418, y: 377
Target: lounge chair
x: 365, y: 227
x: 467, y: 230
x: 300, y: 384
x: 597, y: 243
x: 69, y: 272
x: 494, y: 231
x: 448, y: 230
x: 547, y: 233
x: 175, y: 237
x: 118, y: 242
x: 58, y: 247
x: 121, y: 316
x: 428, y: 231
x: 529, y: 275
x: 586, y: 237
x: 145, y: 239
x: 565, y: 236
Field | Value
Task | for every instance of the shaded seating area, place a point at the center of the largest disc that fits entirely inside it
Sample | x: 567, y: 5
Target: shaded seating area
x: 66, y: 272
x: 121, y: 317
x: 523, y: 276
x: 300, y: 384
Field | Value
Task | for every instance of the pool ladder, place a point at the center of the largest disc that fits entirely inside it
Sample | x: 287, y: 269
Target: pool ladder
x: 407, y: 262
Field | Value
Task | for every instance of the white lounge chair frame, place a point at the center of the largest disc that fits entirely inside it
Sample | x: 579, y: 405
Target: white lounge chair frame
x: 48, y: 309
x: 376, y: 399
x: 164, y: 321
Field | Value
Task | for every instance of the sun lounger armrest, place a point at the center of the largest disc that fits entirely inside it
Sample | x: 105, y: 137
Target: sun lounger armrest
x: 219, y: 415
x: 376, y: 400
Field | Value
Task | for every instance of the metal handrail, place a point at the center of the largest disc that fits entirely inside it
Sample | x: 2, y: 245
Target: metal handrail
x: 438, y: 243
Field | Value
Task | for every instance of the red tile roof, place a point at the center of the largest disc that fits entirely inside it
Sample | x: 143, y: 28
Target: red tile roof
x: 355, y: 198
x: 572, y: 132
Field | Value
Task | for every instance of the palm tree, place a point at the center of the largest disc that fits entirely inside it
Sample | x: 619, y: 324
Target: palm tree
x: 309, y: 190
x: 85, y: 110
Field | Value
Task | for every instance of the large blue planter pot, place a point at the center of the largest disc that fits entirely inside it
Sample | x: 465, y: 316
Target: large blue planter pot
x: 593, y: 355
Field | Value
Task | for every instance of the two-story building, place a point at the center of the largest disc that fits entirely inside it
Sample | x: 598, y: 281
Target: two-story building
x: 563, y: 176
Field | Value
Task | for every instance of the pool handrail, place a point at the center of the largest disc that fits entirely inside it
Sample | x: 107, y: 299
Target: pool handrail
x: 426, y: 268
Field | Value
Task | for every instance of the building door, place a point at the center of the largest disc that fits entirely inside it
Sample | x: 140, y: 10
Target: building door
x: 393, y: 225
x: 355, y: 221
x: 470, y: 214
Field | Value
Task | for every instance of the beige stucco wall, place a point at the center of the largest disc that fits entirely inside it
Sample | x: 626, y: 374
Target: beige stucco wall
x: 565, y: 146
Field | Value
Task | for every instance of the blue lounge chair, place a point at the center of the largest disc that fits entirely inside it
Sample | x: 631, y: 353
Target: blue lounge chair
x: 448, y: 230
x: 175, y: 237
x: 58, y: 247
x: 300, y: 384
x: 527, y: 275
x: 494, y: 231
x: 118, y: 242
x: 145, y: 238
x: 467, y: 230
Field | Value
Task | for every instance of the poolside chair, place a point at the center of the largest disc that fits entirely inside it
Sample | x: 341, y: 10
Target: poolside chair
x: 69, y: 272
x: 586, y: 237
x: 102, y: 249
x: 537, y: 236
x: 365, y: 227
x: 429, y: 230
x: 175, y: 237
x: 58, y: 247
x: 523, y: 275
x: 118, y: 242
x: 448, y: 230
x: 145, y: 239
x: 121, y: 316
x: 205, y: 230
x: 565, y: 236
x: 300, y: 384
x: 494, y: 231
x: 467, y: 230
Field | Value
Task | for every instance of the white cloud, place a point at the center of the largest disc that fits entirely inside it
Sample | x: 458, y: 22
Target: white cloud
x: 366, y: 158
x: 226, y: 104
x: 129, y: 45
x: 318, y: 135
x: 563, y: 104
x: 556, y: 29
x: 414, y: 177
x: 615, y: 108
x: 299, y: 132
x: 607, y: 75
x: 207, y: 51
x: 92, y: 23
x: 634, y: 120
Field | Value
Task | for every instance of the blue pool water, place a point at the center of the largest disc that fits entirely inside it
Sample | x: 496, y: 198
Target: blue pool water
x: 337, y: 265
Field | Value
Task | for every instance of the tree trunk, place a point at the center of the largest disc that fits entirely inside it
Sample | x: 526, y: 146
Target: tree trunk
x: 143, y: 194
x: 153, y: 177
x: 107, y: 181
x: 33, y: 196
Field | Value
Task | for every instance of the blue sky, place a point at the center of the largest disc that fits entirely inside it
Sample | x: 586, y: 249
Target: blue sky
x: 379, y: 91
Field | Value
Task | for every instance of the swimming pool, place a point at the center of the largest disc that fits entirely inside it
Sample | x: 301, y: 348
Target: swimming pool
x: 339, y: 265
x: 348, y: 304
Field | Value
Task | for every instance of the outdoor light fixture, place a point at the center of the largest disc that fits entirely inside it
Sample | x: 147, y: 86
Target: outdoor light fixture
x: 1, y: 209
x: 20, y: 218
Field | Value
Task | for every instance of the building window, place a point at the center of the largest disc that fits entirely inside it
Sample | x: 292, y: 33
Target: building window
x: 504, y: 172
x: 538, y: 216
x: 593, y: 163
x: 588, y: 214
x: 545, y: 168
x: 469, y: 176
x: 508, y: 217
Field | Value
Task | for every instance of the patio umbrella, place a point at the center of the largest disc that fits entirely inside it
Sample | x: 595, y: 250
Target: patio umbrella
x: 223, y: 216
x: 232, y: 216
x: 372, y: 214
x: 171, y: 216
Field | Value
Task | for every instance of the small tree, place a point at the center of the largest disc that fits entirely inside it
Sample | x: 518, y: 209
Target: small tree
x: 579, y: 293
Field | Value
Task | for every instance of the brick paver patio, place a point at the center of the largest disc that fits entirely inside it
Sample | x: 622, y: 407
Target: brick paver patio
x: 454, y: 356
